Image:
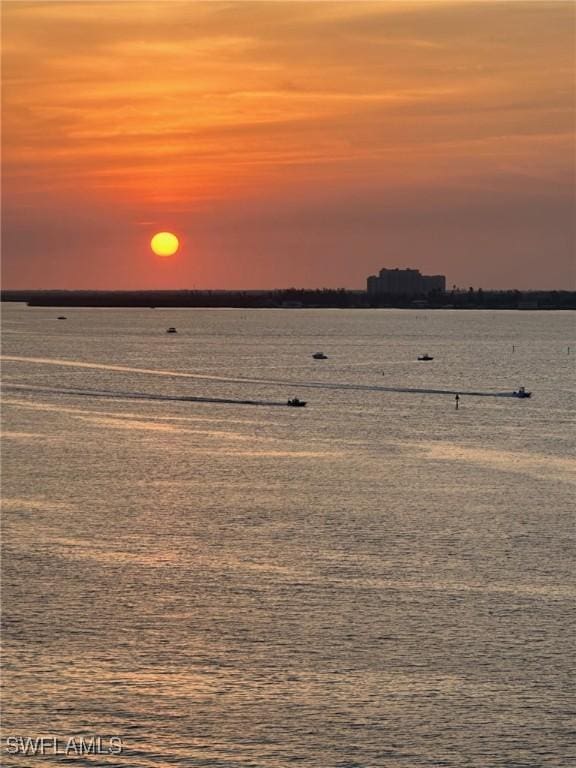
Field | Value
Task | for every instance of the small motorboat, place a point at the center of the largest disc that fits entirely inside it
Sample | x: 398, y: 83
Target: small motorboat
x: 521, y: 393
x: 425, y: 357
x: 171, y: 330
x: 62, y: 317
x: 294, y: 402
x: 320, y: 356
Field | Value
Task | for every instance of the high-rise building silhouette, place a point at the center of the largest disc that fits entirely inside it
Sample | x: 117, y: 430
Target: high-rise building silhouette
x: 408, y: 282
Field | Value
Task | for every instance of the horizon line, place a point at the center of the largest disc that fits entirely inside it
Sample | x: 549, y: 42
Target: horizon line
x: 455, y: 289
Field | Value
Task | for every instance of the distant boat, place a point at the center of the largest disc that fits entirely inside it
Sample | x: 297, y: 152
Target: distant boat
x: 425, y: 357
x: 294, y: 402
x: 320, y: 356
x: 171, y: 330
x: 521, y: 393
x: 61, y: 317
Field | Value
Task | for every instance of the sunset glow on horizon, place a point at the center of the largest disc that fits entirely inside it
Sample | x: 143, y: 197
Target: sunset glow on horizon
x: 305, y: 144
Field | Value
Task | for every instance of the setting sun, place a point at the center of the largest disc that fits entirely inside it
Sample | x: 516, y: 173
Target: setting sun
x: 164, y: 244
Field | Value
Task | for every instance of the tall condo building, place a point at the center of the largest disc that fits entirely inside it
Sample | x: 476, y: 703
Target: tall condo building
x: 408, y: 282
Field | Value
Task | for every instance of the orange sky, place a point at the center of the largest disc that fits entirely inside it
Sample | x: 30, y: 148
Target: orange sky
x: 287, y: 143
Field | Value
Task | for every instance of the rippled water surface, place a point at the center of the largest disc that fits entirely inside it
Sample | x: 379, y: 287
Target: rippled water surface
x: 377, y: 579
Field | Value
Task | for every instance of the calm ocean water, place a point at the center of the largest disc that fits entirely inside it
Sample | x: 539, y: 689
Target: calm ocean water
x: 375, y: 580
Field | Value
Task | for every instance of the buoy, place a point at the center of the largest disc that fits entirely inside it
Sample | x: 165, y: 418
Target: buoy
x: 457, y: 399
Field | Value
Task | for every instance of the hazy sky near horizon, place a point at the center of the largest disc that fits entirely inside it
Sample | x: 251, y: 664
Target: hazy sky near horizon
x: 288, y: 143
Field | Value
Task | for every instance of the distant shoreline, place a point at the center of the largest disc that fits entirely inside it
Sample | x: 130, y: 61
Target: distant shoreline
x: 294, y: 298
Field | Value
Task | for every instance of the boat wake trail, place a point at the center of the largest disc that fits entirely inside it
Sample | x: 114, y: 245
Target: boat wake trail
x: 121, y: 368
x: 240, y: 380
x: 98, y: 393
